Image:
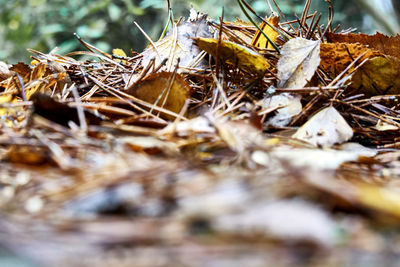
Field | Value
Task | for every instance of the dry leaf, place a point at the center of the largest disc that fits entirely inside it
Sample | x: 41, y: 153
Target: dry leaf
x: 286, y: 220
x: 235, y: 54
x: 22, y: 70
x: 378, y: 199
x: 120, y: 53
x: 61, y: 113
x: 45, y: 85
x: 388, y: 45
x: 180, y: 45
x: 315, y: 159
x: 4, y: 71
x: 298, y: 63
x: 325, y: 128
x: 159, y: 89
x: 259, y: 39
x: 335, y: 58
x: 384, y: 126
x: 237, y: 27
x: 285, y: 106
x: 378, y: 76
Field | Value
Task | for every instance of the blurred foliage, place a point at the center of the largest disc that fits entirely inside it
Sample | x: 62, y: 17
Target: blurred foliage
x: 44, y: 24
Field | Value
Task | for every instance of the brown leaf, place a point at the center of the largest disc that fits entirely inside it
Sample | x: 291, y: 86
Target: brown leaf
x: 336, y: 57
x: 389, y: 45
x: 22, y: 70
x: 60, y: 113
x: 157, y: 89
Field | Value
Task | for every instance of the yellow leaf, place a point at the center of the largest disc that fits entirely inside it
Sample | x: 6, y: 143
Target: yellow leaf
x: 259, y: 39
x: 44, y: 85
x: 121, y: 53
x: 157, y: 89
x: 5, y: 98
x: 235, y: 54
x: 379, y: 198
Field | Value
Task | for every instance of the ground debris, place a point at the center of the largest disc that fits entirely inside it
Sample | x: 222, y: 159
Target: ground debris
x: 209, y: 147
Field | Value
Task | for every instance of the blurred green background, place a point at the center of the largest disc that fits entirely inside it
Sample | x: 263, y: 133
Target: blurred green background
x: 44, y: 24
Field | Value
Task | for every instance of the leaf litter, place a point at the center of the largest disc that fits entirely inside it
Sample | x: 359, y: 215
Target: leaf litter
x: 209, y: 147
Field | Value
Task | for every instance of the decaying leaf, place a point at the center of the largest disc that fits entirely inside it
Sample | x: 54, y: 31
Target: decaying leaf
x: 43, y: 77
x: 336, y: 57
x: 378, y: 76
x: 23, y: 70
x: 379, y: 200
x: 60, y: 113
x: 325, y: 128
x: 164, y: 89
x: 388, y: 45
x: 178, y: 44
x: 259, y: 39
x: 237, y: 27
x: 235, y: 54
x: 298, y: 63
x: 45, y: 85
x: 283, y: 220
x: 285, y: 106
x: 4, y: 71
x: 384, y: 126
x: 316, y: 159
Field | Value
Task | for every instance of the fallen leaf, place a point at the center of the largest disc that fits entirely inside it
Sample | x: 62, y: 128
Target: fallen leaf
x: 60, y: 113
x: 388, y: 45
x: 259, y: 39
x: 22, y: 70
x: 384, y: 126
x: 315, y: 159
x: 4, y: 71
x: 383, y: 202
x: 285, y: 106
x: 45, y: 85
x: 159, y: 89
x: 378, y: 76
x: 298, y: 63
x: 285, y: 220
x: 335, y: 58
x: 120, y: 53
x: 180, y: 44
x: 325, y: 128
x: 235, y: 54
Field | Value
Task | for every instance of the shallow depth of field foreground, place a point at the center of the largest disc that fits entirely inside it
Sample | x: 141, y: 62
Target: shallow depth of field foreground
x: 261, y: 141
